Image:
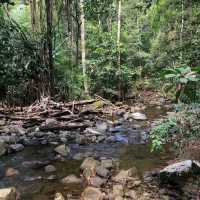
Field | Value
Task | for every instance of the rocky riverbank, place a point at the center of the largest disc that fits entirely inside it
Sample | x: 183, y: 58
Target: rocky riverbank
x: 42, y: 150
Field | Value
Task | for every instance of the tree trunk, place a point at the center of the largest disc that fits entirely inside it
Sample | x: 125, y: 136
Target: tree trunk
x: 118, y: 47
x: 49, y: 43
x: 33, y: 15
x: 182, y: 29
x: 83, y: 53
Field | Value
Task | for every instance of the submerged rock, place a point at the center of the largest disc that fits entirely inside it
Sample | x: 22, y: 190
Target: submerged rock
x: 89, y: 163
x: 71, y: 179
x: 173, y: 172
x: 9, y: 194
x: 59, y: 196
x: 124, y: 175
x: 91, y: 193
x: 50, y: 169
x: 63, y: 150
x: 11, y: 172
x: 16, y: 148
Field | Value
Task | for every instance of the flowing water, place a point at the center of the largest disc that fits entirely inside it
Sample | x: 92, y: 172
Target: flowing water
x: 129, y: 155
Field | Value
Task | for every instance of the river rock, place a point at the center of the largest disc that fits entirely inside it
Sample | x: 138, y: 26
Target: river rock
x: 2, y: 122
x: 107, y: 163
x: 8, y: 194
x: 138, y: 116
x: 101, y: 126
x: 102, y: 172
x: 131, y: 194
x: 16, y: 147
x: 2, y: 148
x: 63, y: 150
x: 59, y: 196
x: 97, y: 181
x: 118, y: 190
x: 11, y: 172
x: 90, y: 163
x: 71, y: 179
x: 11, y: 139
x: 81, y: 139
x: 91, y: 193
x: 35, y: 164
x: 125, y: 175
x: 17, y: 129
x: 92, y: 131
x: 50, y: 169
x: 174, y: 172
x: 51, y: 122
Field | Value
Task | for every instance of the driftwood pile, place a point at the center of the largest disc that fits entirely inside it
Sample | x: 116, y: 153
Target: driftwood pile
x: 51, y: 116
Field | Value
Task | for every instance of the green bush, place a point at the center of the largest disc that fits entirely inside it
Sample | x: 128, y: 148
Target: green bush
x: 178, y: 130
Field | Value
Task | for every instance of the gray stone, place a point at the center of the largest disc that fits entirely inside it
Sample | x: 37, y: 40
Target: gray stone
x: 102, y: 171
x: 16, y: 147
x: 102, y: 126
x: 89, y: 163
x: 97, y: 181
x: 81, y: 139
x: 50, y: 169
x: 51, y: 122
x: 175, y: 171
x: 63, y: 150
x: 107, y: 163
x: 138, y: 116
x: 71, y: 179
x: 125, y: 175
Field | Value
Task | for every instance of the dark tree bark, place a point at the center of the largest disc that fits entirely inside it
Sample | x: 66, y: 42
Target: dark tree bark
x: 49, y: 43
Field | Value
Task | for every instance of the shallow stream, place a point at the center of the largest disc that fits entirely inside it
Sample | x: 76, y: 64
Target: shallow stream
x: 42, y: 188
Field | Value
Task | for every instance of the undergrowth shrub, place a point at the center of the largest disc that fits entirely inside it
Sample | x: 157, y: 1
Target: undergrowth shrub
x: 179, y: 130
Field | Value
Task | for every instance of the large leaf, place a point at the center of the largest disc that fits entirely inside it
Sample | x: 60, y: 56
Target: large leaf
x: 168, y: 76
x: 184, y: 80
x: 183, y: 70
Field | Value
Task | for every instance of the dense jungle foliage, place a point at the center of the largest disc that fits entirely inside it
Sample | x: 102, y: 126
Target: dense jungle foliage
x: 72, y: 49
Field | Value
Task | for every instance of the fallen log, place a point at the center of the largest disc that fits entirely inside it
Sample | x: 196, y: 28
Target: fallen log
x: 69, y: 126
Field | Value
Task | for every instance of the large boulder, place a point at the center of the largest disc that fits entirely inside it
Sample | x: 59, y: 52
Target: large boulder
x: 91, y: 193
x: 2, y: 148
x: 8, y: 194
x: 63, y: 150
x: 176, y: 171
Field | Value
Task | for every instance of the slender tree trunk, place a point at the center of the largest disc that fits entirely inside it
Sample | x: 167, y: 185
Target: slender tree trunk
x: 182, y: 29
x: 83, y: 53
x: 49, y: 42
x: 33, y: 15
x: 118, y: 47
